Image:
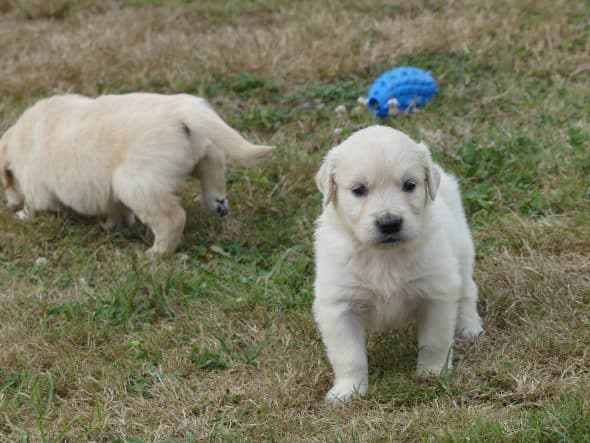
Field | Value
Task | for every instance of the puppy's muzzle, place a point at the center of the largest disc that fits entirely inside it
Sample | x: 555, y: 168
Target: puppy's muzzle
x: 389, y: 226
x: 221, y: 207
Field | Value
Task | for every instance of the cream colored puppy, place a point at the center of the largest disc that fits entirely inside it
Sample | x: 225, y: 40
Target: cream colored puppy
x: 392, y: 246
x: 119, y: 155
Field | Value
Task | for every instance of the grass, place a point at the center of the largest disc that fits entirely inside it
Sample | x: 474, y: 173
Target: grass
x: 217, y: 342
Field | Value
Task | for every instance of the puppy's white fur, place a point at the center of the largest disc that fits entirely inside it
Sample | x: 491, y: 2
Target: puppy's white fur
x: 119, y: 155
x: 418, y: 271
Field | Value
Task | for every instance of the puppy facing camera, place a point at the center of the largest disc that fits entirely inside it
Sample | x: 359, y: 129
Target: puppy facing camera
x: 120, y: 156
x: 392, y: 246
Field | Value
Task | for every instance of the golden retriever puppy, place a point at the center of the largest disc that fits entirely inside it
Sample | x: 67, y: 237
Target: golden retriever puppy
x: 391, y: 246
x: 119, y: 155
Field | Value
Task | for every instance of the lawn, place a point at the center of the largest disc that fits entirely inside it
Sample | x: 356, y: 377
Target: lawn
x: 217, y: 341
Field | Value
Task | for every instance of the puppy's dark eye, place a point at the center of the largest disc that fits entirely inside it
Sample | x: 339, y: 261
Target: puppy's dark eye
x: 409, y: 186
x: 359, y: 190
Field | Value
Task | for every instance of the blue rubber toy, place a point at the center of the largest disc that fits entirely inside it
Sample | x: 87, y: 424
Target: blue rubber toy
x: 401, y: 90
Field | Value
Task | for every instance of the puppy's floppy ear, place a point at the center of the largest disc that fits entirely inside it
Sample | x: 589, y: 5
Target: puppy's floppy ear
x: 7, y: 176
x: 432, y: 180
x: 324, y: 179
x: 432, y: 173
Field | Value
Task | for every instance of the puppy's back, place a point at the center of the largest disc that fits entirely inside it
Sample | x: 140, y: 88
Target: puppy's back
x: 450, y: 193
x: 459, y: 233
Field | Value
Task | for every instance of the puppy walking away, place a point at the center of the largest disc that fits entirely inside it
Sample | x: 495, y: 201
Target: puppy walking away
x: 120, y: 156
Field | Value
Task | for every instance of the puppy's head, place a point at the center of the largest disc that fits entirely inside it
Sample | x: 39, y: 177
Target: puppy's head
x: 380, y: 182
x: 14, y: 196
x: 211, y: 173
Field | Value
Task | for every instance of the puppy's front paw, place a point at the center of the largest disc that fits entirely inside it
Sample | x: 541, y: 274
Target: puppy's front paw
x: 130, y: 219
x: 155, y: 251
x: 471, y: 333
x: 23, y: 215
x: 116, y: 222
x: 113, y: 223
x: 430, y: 371
x: 470, y: 329
x: 344, y: 390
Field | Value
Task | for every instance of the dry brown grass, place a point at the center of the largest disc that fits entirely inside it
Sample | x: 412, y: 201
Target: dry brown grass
x: 170, y: 45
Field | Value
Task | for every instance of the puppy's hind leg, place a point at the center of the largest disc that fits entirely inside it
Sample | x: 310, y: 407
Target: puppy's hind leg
x: 436, y: 327
x: 166, y: 219
x: 469, y: 322
x: 167, y: 223
x: 142, y: 192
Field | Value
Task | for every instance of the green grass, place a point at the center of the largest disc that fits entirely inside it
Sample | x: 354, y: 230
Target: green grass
x: 217, y: 342
x: 566, y: 421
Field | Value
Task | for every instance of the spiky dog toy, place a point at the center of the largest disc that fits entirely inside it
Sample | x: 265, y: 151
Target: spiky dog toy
x: 401, y: 90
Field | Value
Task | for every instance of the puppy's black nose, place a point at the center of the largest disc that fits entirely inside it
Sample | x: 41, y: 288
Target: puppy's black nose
x: 389, y: 224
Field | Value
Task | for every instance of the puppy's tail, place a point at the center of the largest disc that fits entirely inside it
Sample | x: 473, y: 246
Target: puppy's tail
x: 208, y: 124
